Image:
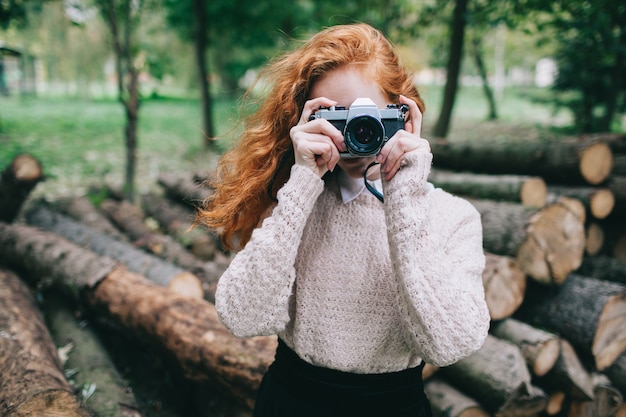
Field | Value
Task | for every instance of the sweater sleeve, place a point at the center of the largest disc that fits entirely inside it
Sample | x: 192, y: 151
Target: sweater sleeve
x: 252, y: 296
x: 436, y: 248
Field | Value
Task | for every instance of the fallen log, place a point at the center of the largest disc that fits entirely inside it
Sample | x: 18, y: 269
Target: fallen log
x: 539, y: 348
x: 32, y: 382
x: 447, y: 401
x: 16, y: 182
x: 598, y: 201
x: 84, y: 211
x: 589, y: 313
x: 548, y: 243
x: 529, y: 191
x: 187, y: 329
x: 498, y: 375
x: 504, y: 283
x: 184, y: 189
x: 606, y: 403
x: 150, y: 266
x: 568, y: 375
x: 177, y: 221
x: 617, y: 185
x: 560, y: 161
x: 89, y: 363
x: 604, y: 267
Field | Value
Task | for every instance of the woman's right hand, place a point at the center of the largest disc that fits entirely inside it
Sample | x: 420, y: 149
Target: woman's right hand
x: 316, y: 143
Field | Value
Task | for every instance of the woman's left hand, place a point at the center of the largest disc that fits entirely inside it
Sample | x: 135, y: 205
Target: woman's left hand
x: 405, y: 140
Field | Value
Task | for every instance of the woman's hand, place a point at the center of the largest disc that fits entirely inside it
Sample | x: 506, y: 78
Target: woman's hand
x: 405, y: 140
x: 316, y: 143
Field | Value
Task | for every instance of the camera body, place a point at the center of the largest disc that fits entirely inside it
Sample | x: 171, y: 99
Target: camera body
x: 365, y: 127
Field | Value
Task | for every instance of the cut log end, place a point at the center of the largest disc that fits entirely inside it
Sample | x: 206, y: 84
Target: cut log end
x: 596, y: 163
x: 187, y: 285
x: 534, y: 192
x: 555, y: 403
x: 505, y: 284
x: 547, y: 357
x: 26, y: 168
x: 610, y: 338
x: 594, y: 239
x: 602, y: 203
x: 555, y: 244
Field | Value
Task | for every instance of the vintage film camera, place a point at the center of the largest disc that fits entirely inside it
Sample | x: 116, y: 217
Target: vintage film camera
x: 365, y: 127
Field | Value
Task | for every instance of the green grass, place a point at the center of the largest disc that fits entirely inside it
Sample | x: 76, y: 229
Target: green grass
x: 81, y: 142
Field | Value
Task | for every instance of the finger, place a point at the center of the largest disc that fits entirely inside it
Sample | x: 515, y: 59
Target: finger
x: 319, y: 127
x: 311, y: 106
x: 414, y: 122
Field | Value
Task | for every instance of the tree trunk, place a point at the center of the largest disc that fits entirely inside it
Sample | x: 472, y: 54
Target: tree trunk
x: 453, y: 68
x: 505, y: 284
x: 187, y: 328
x: 200, y: 49
x: 16, y: 183
x: 560, y: 161
x: 177, y: 221
x: 90, y: 360
x: 447, y: 401
x: 548, y: 243
x: 498, y: 375
x: 530, y: 191
x: 32, y: 382
x: 590, y: 312
x: 598, y: 202
x: 477, y: 53
x: 539, y: 348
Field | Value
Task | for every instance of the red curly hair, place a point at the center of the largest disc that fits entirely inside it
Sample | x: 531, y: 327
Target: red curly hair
x: 250, y: 174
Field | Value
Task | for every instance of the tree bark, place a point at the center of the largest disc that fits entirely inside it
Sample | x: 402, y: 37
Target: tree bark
x: 591, y: 313
x: 498, y: 375
x: 563, y: 161
x: 32, y: 382
x: 200, y: 49
x: 505, y: 284
x: 548, y: 243
x: 604, y: 267
x: 530, y: 191
x: 16, y: 182
x: 447, y: 401
x: 83, y: 210
x: 599, y: 202
x: 477, y: 53
x: 539, y: 348
x: 617, y: 373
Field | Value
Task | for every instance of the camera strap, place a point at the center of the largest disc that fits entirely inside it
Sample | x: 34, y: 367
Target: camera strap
x: 369, y: 186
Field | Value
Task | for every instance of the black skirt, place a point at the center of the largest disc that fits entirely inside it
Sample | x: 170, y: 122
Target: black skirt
x: 294, y: 388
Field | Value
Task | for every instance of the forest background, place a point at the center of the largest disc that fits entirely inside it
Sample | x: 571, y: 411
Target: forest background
x: 179, y: 69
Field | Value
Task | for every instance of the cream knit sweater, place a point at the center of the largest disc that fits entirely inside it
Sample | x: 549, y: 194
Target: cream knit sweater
x: 363, y: 287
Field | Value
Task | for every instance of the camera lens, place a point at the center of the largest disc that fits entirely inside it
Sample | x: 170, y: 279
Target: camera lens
x: 364, y: 135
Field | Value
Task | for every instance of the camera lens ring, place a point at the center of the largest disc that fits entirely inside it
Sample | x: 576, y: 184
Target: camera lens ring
x: 364, y: 135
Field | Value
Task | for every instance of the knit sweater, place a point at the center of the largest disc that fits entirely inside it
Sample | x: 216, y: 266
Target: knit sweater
x: 365, y: 286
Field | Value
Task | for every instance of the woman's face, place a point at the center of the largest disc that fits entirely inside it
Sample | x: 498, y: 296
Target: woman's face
x: 344, y: 85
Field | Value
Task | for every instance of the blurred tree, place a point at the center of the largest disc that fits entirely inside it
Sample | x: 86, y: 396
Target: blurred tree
x: 123, y: 17
x: 590, y: 54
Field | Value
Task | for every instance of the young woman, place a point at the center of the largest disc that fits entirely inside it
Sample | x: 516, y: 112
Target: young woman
x: 361, y: 291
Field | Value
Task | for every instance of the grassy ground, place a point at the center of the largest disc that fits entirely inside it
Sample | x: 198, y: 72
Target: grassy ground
x: 82, y: 141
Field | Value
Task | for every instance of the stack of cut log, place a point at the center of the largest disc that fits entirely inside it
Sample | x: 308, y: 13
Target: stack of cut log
x: 556, y: 208
x: 558, y: 338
